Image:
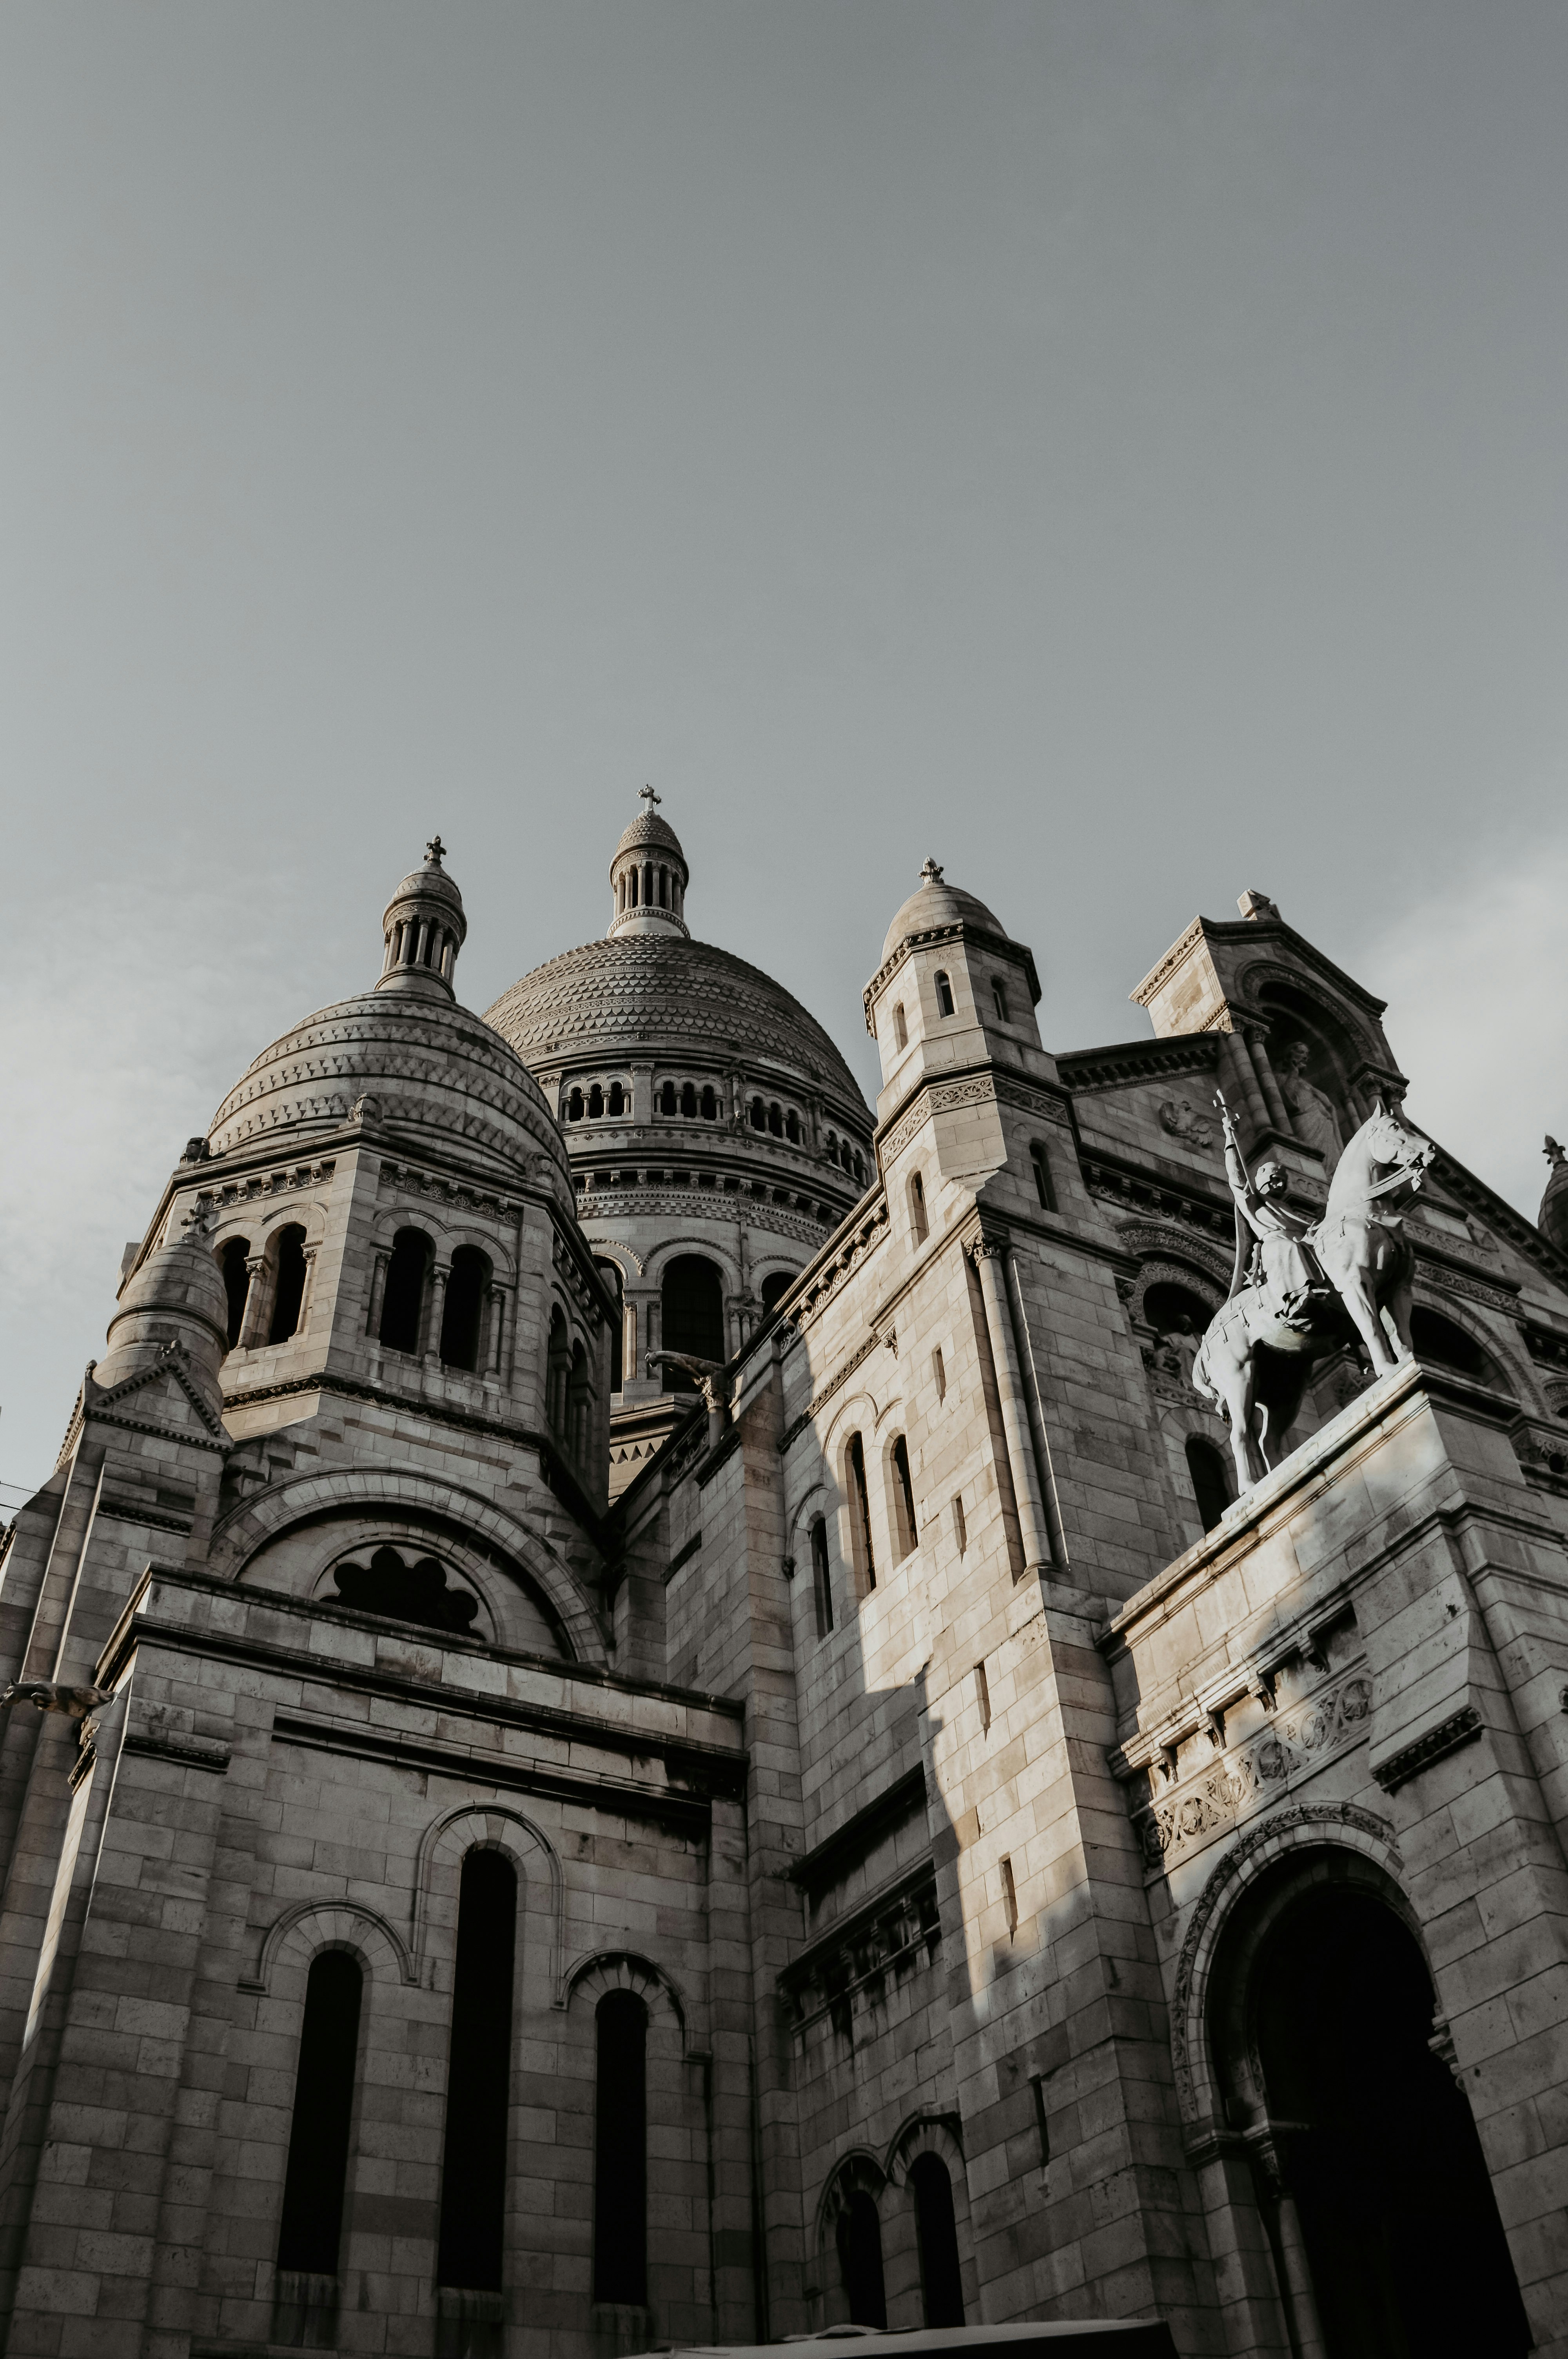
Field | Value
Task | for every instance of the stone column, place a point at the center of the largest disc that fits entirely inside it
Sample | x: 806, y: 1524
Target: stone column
x: 435, y: 1311
x: 1263, y: 1065
x: 252, y: 1321
x: 990, y: 1262
x: 497, y: 1331
x: 1241, y: 1083
x: 308, y: 1290
x: 377, y: 1293
x: 642, y: 1094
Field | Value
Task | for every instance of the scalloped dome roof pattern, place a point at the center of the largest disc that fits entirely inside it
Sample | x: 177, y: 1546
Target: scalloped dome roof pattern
x: 629, y: 990
x: 430, y: 1067
x: 649, y: 827
x: 939, y: 905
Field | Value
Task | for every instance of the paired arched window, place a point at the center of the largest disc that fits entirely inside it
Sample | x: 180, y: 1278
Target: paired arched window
x: 1211, y: 1484
x: 919, y: 1219
x: 237, y: 1283
x: 858, y: 2232
x: 620, y: 2151
x: 937, y: 2235
x: 904, y: 1527
x: 288, y: 1284
x: 692, y: 1302
x: 860, y: 1512
x: 943, y: 995
x: 462, y: 1317
x: 821, y: 1580
x: 479, y: 2076
x: 317, y: 2177
x: 403, y: 1298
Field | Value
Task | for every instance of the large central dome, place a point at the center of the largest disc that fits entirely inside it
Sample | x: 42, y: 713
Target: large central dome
x: 658, y: 991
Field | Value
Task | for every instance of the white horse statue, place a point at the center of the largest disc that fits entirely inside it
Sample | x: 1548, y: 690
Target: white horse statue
x: 1299, y: 1291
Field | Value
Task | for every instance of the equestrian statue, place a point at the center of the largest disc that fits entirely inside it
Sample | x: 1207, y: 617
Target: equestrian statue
x: 1300, y: 1291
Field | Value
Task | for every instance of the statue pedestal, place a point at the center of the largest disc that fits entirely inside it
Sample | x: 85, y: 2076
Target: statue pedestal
x: 1360, y: 1674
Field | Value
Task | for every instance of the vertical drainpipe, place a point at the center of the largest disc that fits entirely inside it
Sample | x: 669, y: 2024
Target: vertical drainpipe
x: 991, y: 1257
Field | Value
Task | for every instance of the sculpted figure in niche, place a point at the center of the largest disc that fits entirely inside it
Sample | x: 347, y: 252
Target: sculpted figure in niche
x: 1313, y: 1117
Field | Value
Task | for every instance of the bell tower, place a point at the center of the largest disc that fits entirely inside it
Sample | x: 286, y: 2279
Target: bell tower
x: 648, y: 876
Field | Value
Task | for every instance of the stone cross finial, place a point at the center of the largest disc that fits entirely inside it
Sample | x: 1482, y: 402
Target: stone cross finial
x: 1257, y: 905
x: 201, y: 1219
x: 435, y: 851
x: 646, y: 795
x: 1555, y: 1154
x: 931, y: 873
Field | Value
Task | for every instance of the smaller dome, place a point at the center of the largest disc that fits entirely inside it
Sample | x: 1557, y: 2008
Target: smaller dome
x: 430, y: 883
x: 649, y: 827
x: 938, y: 904
x: 176, y: 1297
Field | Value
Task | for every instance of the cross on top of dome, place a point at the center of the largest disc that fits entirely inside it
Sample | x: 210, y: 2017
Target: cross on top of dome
x: 647, y: 795
x: 932, y: 872
x: 435, y: 851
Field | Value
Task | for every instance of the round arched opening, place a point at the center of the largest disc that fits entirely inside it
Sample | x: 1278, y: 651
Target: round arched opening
x: 692, y: 1304
x: 1447, y: 1345
x: 1370, y: 2177
x: 1174, y: 1310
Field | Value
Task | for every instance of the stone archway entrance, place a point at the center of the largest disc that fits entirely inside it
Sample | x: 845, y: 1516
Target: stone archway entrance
x: 1370, y: 2174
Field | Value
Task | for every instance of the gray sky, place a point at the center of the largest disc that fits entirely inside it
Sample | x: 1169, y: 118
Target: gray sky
x: 1117, y: 449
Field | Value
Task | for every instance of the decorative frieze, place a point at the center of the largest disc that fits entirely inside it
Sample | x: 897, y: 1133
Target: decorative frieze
x: 892, y: 1934
x: 405, y: 1180
x: 828, y: 1277
x: 257, y: 1184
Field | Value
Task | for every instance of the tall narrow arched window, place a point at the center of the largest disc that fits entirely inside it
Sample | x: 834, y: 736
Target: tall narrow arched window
x: 775, y: 1121
x: 1210, y: 1487
x: 919, y: 1221
x: 858, y: 2232
x: 610, y: 1271
x: 617, y: 1098
x: 936, y: 2234
x: 479, y: 2075
x: 1040, y: 1165
x: 595, y: 1104
x: 692, y: 1302
x: 709, y: 1108
x: 903, y: 1498
x: 759, y: 1114
x: 237, y: 1283
x: 776, y: 1286
x: 578, y: 1414
x: 943, y: 995
x: 999, y: 998
x: 317, y: 2175
x: 403, y: 1299
x: 620, y: 2151
x: 462, y: 1319
x: 663, y: 888
x: 792, y: 1126
x: 632, y: 883
x: 860, y: 1511
x: 574, y: 1105
x: 288, y: 1284
x: 558, y: 1372
x: 667, y: 1098
x: 689, y: 1101
x: 821, y: 1580
x: 900, y: 1028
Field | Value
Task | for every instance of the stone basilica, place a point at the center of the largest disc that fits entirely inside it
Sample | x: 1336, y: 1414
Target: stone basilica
x: 643, y: 1708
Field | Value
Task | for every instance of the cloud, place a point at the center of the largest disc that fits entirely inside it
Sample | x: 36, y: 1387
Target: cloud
x: 1478, y: 1016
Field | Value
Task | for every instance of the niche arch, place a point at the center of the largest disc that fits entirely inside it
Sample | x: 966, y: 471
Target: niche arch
x: 937, y: 2134
x: 443, y: 1847
x: 592, y: 1978
x: 302, y: 1932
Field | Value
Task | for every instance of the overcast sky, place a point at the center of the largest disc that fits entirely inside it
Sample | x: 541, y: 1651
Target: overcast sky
x: 1120, y: 450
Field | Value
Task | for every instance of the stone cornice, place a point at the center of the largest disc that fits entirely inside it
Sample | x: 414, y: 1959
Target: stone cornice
x: 968, y: 1085
x: 1129, y: 1063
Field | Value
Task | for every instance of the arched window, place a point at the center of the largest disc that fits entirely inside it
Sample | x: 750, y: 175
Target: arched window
x: 759, y: 1114
x: 775, y: 1121
x: 821, y: 1582
x: 860, y: 1167
x: 776, y: 1286
x: 692, y: 1299
x: 1211, y: 1486
x: 939, y: 1373
x: 904, y: 1526
x: 288, y: 1284
x: 936, y: 2233
x: 620, y: 2151
x: 317, y: 2177
x: 1040, y: 1164
x: 667, y: 1098
x: 961, y: 1524
x: 999, y: 1001
x: 463, y: 1319
x: 943, y: 995
x: 237, y: 1283
x: 689, y: 1102
x: 860, y: 1512
x: 900, y: 1028
x: 710, y: 1105
x: 792, y: 1126
x: 920, y: 1225
x: 610, y: 1271
x: 479, y: 2075
x: 846, y: 1155
x: 574, y: 1106
x: 617, y: 1098
x: 578, y: 1405
x: 402, y: 1298
x: 558, y: 1372
x: 858, y: 2232
x: 663, y: 888
x: 595, y: 1102
x: 1441, y: 1341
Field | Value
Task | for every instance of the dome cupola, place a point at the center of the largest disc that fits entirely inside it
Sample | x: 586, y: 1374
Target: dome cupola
x: 174, y: 1299
x: 648, y: 877
x: 423, y: 927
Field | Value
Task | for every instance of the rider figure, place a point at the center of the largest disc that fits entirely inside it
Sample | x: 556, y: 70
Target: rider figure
x: 1282, y: 1266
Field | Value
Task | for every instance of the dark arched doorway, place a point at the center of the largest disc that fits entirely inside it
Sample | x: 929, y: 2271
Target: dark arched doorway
x: 1367, y: 2150
x: 692, y: 1302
